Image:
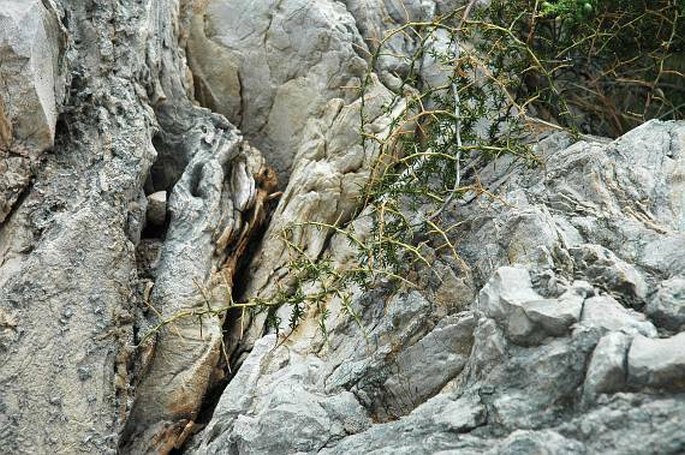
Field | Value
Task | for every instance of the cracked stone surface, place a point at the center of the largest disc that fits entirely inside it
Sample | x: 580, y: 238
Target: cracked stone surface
x: 266, y: 75
x: 554, y: 337
x: 32, y: 85
x: 140, y: 144
x: 75, y: 303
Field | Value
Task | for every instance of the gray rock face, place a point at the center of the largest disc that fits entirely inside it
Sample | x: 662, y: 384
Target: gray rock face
x: 527, y: 317
x: 377, y: 21
x: 608, y: 272
x: 212, y: 195
x: 270, y: 77
x: 32, y: 45
x: 657, y: 363
x: 607, y: 314
x: 551, y: 340
x: 324, y: 190
x: 667, y: 306
x: 67, y: 273
x: 555, y: 325
x: 33, y: 81
x: 607, y: 371
x: 74, y: 301
x: 630, y: 423
x: 283, y: 403
x: 542, y: 442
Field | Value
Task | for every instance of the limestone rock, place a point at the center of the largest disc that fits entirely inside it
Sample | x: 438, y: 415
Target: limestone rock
x: 32, y: 44
x: 203, y: 204
x: 607, y: 271
x: 555, y: 317
x: 271, y: 65
x: 607, y: 314
x: 657, y: 363
x: 425, y: 367
x: 376, y: 19
x: 75, y: 304
x: 546, y: 370
x: 67, y: 266
x: 332, y: 168
x: 462, y: 415
x: 519, y: 339
x: 630, y: 423
x: 510, y: 299
x: 607, y: 370
x: 289, y: 411
x: 343, y: 392
x: 546, y: 442
x: 667, y: 306
x: 156, y: 208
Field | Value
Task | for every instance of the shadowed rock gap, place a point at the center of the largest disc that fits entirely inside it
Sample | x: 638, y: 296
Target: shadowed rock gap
x: 231, y: 329
x: 213, y: 208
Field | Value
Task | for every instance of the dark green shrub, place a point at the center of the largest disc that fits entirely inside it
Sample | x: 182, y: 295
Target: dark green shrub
x: 601, y: 66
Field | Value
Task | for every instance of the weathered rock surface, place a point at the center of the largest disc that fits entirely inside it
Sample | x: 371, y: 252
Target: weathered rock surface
x: 606, y: 372
x: 553, y: 339
x: 608, y: 272
x: 657, y: 363
x: 606, y: 314
x: 667, y: 305
x: 74, y: 301
x: 555, y: 325
x: 155, y: 214
x: 273, y: 65
x: 32, y: 83
x: 526, y: 316
x: 324, y: 190
x: 208, y: 209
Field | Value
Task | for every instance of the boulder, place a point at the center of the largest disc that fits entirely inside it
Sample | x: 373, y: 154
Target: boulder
x: 657, y: 363
x: 605, y: 313
x: 526, y: 316
x: 607, y: 372
x: 667, y: 306
x: 32, y: 43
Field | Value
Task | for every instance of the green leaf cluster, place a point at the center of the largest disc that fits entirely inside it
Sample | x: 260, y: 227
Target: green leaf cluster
x: 597, y: 66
